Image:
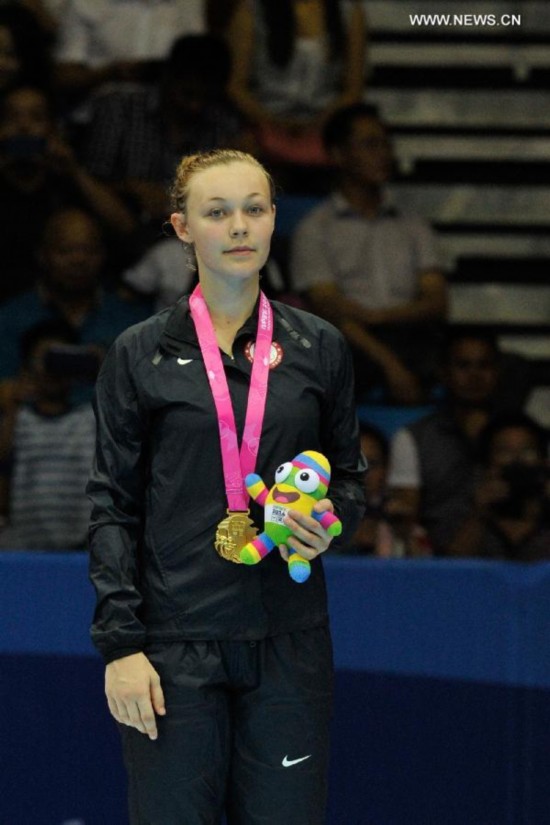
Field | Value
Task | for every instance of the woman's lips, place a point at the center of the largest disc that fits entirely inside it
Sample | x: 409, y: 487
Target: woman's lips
x: 240, y: 250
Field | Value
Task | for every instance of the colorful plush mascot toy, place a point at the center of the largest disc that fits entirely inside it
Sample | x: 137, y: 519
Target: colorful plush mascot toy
x: 298, y: 485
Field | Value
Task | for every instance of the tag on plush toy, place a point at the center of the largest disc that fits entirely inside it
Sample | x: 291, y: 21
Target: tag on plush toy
x: 298, y: 485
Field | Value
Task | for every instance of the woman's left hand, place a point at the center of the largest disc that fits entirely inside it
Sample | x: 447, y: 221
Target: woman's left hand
x: 308, y: 538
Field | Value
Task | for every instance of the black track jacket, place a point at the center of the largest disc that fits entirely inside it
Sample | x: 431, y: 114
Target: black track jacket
x: 157, y: 484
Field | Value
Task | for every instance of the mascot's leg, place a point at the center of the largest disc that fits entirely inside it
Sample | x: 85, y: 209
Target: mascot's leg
x: 298, y: 568
x: 256, y: 550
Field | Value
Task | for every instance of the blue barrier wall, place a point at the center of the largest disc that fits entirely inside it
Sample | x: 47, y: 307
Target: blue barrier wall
x: 442, y: 712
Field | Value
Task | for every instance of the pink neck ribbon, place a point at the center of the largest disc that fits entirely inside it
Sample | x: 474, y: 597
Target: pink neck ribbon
x: 236, y: 464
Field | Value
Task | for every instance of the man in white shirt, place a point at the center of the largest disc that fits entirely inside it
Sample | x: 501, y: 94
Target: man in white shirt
x: 364, y: 265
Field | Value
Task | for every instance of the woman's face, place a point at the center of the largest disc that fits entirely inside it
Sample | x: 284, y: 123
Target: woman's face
x: 9, y: 60
x: 229, y: 219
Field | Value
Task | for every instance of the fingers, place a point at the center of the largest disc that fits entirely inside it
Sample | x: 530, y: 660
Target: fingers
x: 308, y: 538
x: 323, y: 505
x: 134, y: 694
x: 142, y: 717
x: 116, y: 712
x: 157, y: 696
x: 136, y: 714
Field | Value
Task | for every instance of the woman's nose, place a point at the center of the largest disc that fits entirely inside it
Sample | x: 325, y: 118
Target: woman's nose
x: 238, y: 225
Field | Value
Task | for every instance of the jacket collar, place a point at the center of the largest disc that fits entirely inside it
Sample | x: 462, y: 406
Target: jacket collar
x: 180, y: 329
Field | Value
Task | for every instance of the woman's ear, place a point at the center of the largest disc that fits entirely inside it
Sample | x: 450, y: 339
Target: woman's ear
x: 177, y: 219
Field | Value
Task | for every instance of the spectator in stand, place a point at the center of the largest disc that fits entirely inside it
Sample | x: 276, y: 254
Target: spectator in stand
x: 510, y: 515
x: 369, y: 268
x: 107, y: 41
x: 46, y: 450
x: 24, y: 48
x: 387, y: 530
x: 38, y: 174
x: 136, y: 137
x: 433, y: 460
x: 72, y: 256
x: 46, y: 13
x: 294, y: 62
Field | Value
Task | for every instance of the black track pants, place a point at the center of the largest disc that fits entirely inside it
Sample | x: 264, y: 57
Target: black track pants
x: 246, y: 730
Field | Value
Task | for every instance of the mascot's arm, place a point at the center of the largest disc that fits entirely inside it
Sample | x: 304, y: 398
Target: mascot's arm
x: 329, y: 522
x: 256, y: 488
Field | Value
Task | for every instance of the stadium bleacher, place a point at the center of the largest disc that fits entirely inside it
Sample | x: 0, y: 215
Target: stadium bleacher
x: 469, y: 110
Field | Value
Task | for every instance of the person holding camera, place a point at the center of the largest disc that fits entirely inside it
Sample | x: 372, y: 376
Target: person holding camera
x: 71, y: 288
x: 510, y: 517
x: 39, y: 174
x: 388, y: 528
x: 46, y: 448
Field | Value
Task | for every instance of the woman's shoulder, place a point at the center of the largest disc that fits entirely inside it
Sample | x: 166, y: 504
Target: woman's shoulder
x: 304, y: 323
x: 143, y: 337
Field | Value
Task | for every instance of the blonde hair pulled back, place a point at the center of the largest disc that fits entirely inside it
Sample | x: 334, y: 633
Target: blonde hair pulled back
x: 191, y: 164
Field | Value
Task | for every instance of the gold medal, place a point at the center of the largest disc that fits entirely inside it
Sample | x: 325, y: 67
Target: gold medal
x: 237, y: 529
x: 233, y: 533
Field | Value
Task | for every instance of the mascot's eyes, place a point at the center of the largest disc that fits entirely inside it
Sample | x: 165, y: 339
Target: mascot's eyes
x: 307, y: 481
x: 283, y: 472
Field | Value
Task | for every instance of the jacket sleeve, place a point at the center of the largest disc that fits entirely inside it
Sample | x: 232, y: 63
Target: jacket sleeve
x: 117, y: 491
x: 340, y: 438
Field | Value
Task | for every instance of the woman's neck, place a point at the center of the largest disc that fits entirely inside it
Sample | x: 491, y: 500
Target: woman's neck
x: 229, y: 306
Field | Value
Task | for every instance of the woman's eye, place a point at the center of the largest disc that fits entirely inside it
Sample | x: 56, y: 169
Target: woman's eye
x: 216, y: 213
x: 256, y: 210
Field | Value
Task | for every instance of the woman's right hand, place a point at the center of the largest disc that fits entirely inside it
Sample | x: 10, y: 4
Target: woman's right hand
x: 134, y: 693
